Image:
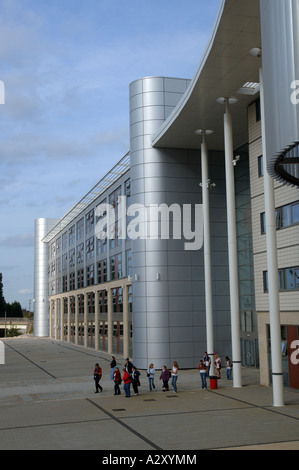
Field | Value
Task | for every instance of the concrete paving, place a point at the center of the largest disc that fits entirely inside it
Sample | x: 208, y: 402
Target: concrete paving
x: 47, y: 402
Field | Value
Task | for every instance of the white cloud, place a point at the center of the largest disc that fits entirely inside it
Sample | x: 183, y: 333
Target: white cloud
x: 18, y: 241
x: 25, y: 291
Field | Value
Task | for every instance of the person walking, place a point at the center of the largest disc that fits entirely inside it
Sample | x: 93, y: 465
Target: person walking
x: 218, y: 365
x: 117, y: 381
x: 135, y: 379
x: 165, y: 376
x: 203, y: 375
x: 207, y: 362
x: 151, y: 377
x: 112, y: 365
x: 174, y: 376
x: 128, y: 366
x: 127, y: 382
x: 97, y: 375
x: 229, y: 365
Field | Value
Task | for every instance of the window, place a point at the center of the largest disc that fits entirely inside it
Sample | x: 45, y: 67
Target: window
x: 80, y: 229
x: 258, y: 110
x: 288, y: 279
x: 128, y: 191
x: 295, y: 213
x: 72, y: 235
x: 129, y: 262
x: 90, y: 248
x: 58, y: 245
x: 64, y: 284
x: 286, y: 216
x: 117, y: 300
x: 102, y: 271
x: 64, y: 262
x: 80, y: 278
x: 112, y: 268
x: 90, y: 302
x: 64, y: 241
x: 81, y: 303
x: 90, y: 275
x: 116, y: 267
x: 58, y: 286
x: 52, y: 288
x: 103, y: 301
x: 260, y: 164
x: 101, y: 246
x: 113, y: 230
x: 53, y: 250
x: 90, y: 221
x: 131, y: 300
x: 53, y: 268
x: 58, y: 267
x: 114, y: 235
x: 80, y: 253
x: 113, y: 199
x: 72, y: 281
x: 72, y: 258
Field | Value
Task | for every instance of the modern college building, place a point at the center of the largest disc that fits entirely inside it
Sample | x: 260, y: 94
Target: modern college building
x: 191, y: 242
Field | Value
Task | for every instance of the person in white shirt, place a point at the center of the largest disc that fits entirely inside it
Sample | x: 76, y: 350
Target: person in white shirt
x: 151, y: 376
x: 174, y: 376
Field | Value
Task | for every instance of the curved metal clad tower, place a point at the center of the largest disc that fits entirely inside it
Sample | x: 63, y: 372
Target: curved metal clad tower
x: 41, y: 286
x: 158, y: 332
x: 168, y: 285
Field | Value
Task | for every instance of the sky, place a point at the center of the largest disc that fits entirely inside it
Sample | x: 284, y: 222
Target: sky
x: 66, y: 67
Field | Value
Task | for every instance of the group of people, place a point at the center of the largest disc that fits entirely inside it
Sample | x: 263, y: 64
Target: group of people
x: 131, y: 375
x: 165, y: 376
x: 205, y: 365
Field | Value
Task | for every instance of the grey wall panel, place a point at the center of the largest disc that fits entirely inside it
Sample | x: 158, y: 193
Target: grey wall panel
x: 180, y: 304
x: 152, y: 84
x: 159, y: 334
x: 158, y: 304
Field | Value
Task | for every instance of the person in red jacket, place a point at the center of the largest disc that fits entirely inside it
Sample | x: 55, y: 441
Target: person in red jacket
x: 117, y: 381
x: 127, y: 383
x: 97, y: 374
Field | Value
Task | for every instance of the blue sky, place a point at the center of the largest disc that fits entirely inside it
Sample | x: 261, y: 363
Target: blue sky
x: 67, y: 66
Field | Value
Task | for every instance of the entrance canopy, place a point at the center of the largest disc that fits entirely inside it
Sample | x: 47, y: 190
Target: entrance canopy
x: 227, y: 70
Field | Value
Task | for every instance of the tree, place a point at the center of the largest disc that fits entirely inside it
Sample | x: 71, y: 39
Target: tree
x: 13, y: 310
x: 2, y: 300
x: 13, y: 331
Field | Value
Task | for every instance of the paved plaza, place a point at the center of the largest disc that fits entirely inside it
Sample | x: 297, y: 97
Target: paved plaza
x: 47, y: 401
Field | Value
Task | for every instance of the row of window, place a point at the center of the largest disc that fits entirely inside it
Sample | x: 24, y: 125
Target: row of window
x: 286, y: 216
x: 288, y: 279
x: 93, y: 274
x: 117, y: 302
x: 86, y: 225
x: 77, y: 255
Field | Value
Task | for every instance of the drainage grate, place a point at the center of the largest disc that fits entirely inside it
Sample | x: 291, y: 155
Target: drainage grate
x: 119, y: 409
x: 150, y: 399
x: 171, y: 396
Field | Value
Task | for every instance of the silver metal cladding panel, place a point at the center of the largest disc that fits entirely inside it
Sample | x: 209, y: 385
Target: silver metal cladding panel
x: 280, y: 58
x: 166, y: 301
x: 41, y: 288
